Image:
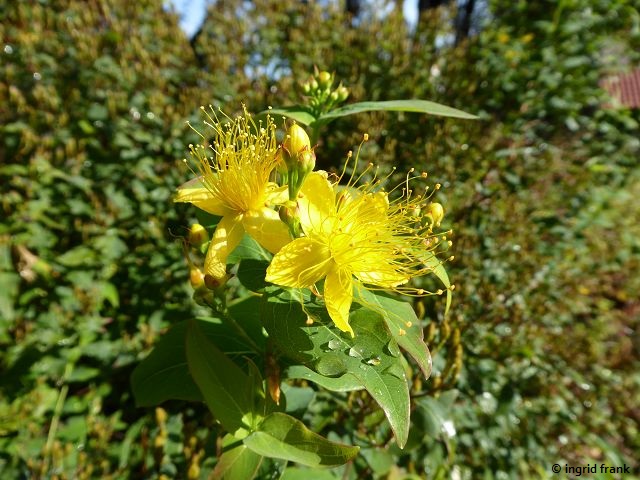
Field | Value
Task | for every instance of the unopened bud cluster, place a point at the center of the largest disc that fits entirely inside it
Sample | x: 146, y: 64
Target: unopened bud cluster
x: 319, y: 88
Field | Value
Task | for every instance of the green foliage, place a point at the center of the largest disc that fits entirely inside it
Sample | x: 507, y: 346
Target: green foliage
x: 535, y: 364
x: 282, y: 436
x: 371, y: 360
x: 94, y: 103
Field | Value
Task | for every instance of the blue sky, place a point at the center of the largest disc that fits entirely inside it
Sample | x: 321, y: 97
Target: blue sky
x: 192, y: 13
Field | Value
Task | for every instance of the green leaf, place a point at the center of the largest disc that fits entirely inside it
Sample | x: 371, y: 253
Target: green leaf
x: 380, y: 460
x: 297, y: 399
x: 282, y: 436
x: 296, y: 473
x: 251, y: 273
x: 297, y: 113
x: 419, y: 106
x: 164, y: 374
x: 226, y: 388
x: 246, y: 311
x: 433, y: 415
x: 371, y: 360
x: 403, y: 324
x: 438, y: 269
x: 9, y: 288
x: 248, y: 248
x: 78, y: 256
x: 344, y: 383
x: 237, y: 462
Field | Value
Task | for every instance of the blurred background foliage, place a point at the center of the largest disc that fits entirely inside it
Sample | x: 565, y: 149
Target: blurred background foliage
x: 538, y: 361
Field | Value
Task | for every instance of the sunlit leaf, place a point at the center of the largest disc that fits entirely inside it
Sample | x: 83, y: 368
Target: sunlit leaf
x: 403, y: 325
x: 282, y: 436
x: 226, y: 388
x: 164, y: 374
x: 439, y: 271
x: 343, y: 383
x: 371, y: 359
x: 237, y: 462
x: 418, y: 106
x: 299, y: 114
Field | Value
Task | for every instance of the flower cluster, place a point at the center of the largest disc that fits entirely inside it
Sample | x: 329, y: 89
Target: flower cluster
x: 330, y: 238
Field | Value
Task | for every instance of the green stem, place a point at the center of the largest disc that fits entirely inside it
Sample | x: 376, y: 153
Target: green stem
x: 55, y: 420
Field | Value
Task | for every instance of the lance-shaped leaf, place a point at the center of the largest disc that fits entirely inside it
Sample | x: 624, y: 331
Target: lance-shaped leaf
x: 418, y: 106
x: 343, y: 383
x: 285, y: 437
x: 403, y: 324
x: 226, y: 388
x: 164, y: 374
x: 237, y: 462
x: 371, y: 359
x: 439, y: 271
x: 298, y: 113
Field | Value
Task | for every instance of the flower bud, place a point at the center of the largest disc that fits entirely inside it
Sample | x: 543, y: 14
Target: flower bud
x: 435, y: 212
x: 325, y: 79
x: 307, y: 161
x: 196, y: 278
x: 296, y: 142
x: 343, y: 93
x: 289, y: 214
x: 198, y: 235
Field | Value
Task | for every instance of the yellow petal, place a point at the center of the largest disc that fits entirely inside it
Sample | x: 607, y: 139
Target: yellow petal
x: 338, y: 296
x: 316, y: 204
x: 267, y: 229
x: 299, y: 264
x: 380, y: 273
x: 276, y: 195
x: 196, y: 193
x: 227, y: 236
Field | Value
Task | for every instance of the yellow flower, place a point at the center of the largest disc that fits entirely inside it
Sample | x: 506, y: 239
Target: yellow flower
x: 233, y: 182
x: 352, y: 233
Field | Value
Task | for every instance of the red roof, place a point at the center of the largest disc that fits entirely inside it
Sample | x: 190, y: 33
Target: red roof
x: 624, y: 88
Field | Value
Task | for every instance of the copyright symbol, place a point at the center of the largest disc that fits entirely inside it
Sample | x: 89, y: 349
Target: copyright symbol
x: 556, y: 468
